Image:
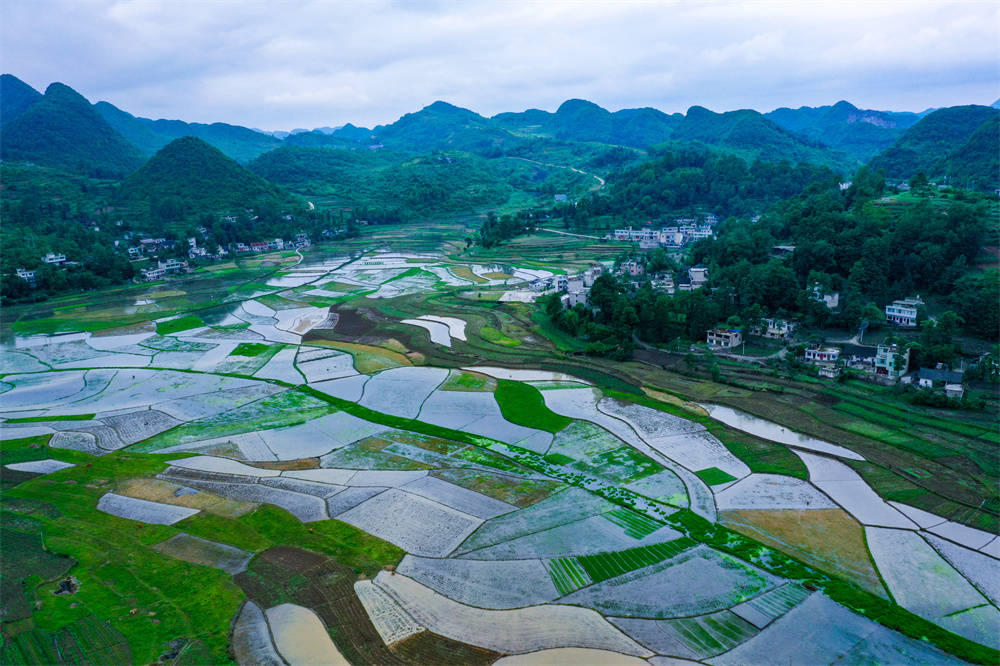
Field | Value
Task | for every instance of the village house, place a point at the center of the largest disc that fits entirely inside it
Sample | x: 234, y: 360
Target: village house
x: 775, y: 329
x: 891, y: 362
x: 572, y: 298
x: 724, y: 337
x: 633, y: 268
x: 27, y: 276
x: 53, y: 258
x: 698, y: 276
x: 950, y: 381
x: 903, y: 312
x: 591, y: 274
x: 831, y: 299
x: 822, y: 354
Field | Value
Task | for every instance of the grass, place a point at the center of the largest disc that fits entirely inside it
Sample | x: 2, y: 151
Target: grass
x: 467, y: 381
x: 524, y: 405
x: 491, y: 334
x: 466, y: 273
x: 714, y: 476
x: 184, y: 323
x: 250, y: 349
x: 52, y: 417
x: 603, y: 566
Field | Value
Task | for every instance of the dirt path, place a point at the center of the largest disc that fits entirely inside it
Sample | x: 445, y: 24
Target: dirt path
x: 600, y: 181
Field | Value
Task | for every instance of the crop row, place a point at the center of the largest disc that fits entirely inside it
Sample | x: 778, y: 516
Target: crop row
x: 603, y: 566
x: 568, y: 575
x: 636, y: 525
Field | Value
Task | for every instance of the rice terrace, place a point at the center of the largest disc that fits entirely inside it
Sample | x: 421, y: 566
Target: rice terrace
x: 340, y: 467
x: 634, y: 348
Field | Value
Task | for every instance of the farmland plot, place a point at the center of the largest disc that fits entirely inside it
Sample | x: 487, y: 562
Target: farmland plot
x: 307, y: 508
x: 483, y: 583
x: 700, y: 450
x: 665, y: 486
x: 992, y: 548
x: 524, y: 375
x: 696, y: 582
x: 281, y: 366
x: 344, y: 428
x: 211, y: 359
x: 696, y: 637
x: 772, y: 491
x: 246, y: 446
x: 566, y: 506
x: 105, y: 437
x: 76, y: 441
x: 922, y: 518
x: 595, y: 534
x: 820, y: 631
x: 350, y: 498
x: 439, y: 332
x: 46, y: 466
x: 966, y: 536
x: 392, y: 623
x: 765, y: 609
x: 202, y: 551
x: 251, y: 640
x: 456, y: 327
x: 649, y: 423
x: 577, y: 656
x: 222, y: 400
x: 457, y: 409
x: 411, y: 522
x: 301, y: 637
x: 921, y: 581
x: 850, y: 491
x: 14, y: 361
x: 21, y: 431
x: 222, y: 466
x: 982, y: 570
x: 323, y: 490
x: 348, y: 388
x: 41, y: 391
x: 774, y: 432
x: 143, y: 511
x: 510, y: 631
x: 332, y: 366
x: 582, y: 439
x: 401, y: 391
x: 139, y: 425
x: 457, y: 497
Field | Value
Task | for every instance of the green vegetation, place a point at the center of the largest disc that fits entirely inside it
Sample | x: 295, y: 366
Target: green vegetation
x: 62, y: 130
x: 51, y: 417
x: 637, y: 525
x: 493, y: 335
x: 179, y: 324
x: 567, y: 574
x: 250, y: 349
x: 604, y: 566
x: 524, y: 405
x: 928, y: 144
x: 714, y: 476
x: 195, y: 177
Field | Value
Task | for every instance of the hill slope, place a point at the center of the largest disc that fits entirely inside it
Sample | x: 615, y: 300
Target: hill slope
x: 925, y: 145
x: 239, y: 143
x: 860, y: 133
x: 976, y: 164
x: 16, y: 97
x: 63, y: 130
x: 201, y: 176
x: 443, y: 126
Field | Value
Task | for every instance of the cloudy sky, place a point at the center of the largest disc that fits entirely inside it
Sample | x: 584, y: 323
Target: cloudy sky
x: 280, y: 65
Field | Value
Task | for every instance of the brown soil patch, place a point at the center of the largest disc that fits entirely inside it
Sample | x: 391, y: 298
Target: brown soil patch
x: 674, y: 400
x: 828, y: 539
x: 288, y: 465
x: 290, y: 575
x: 158, y: 490
x: 511, y: 489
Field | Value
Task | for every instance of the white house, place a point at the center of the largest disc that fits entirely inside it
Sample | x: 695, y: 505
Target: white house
x: 698, y: 276
x: 891, y: 362
x: 776, y: 329
x: 53, y: 258
x: 822, y: 354
x: 27, y: 276
x: 903, y: 312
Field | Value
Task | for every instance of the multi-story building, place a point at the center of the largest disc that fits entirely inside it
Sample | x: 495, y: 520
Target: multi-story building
x: 891, y: 362
x: 54, y: 258
x: 27, y: 276
x: 903, y: 312
x: 724, y: 337
x: 822, y: 354
x: 776, y: 329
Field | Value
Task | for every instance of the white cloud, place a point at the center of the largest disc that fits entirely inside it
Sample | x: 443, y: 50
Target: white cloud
x: 303, y: 64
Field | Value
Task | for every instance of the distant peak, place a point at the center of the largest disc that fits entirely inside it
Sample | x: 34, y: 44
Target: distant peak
x: 573, y: 105
x: 699, y: 111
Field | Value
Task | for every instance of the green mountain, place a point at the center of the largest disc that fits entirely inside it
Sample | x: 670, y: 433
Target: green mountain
x: 928, y: 143
x: 16, y: 97
x: 443, y: 126
x: 240, y: 143
x: 580, y: 120
x: 751, y: 136
x: 859, y: 133
x: 201, y: 177
x: 63, y: 130
x: 976, y: 165
x: 317, y: 139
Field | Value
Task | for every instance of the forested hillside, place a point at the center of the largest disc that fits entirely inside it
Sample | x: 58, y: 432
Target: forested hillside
x: 928, y: 143
x: 63, y: 130
x: 16, y: 97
